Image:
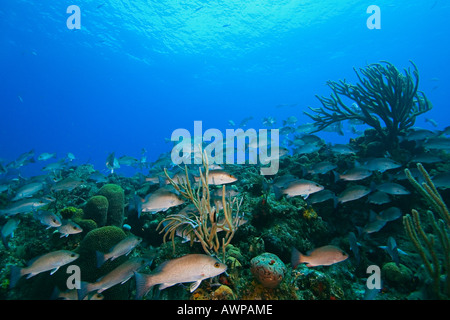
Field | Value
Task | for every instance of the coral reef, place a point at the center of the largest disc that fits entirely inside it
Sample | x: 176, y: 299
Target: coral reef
x: 101, y: 239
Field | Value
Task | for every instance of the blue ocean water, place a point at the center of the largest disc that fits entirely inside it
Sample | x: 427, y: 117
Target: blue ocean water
x: 137, y: 70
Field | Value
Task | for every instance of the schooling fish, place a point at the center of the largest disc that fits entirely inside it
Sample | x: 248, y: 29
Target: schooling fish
x: 28, y: 190
x: 301, y: 187
x: 323, y: 256
x: 160, y: 200
x: 353, y: 193
x: 189, y: 268
x: 124, y: 247
x: 69, y: 227
x: 48, y: 218
x: 121, y: 274
x: 49, y: 261
x: 8, y: 230
x: 25, y: 205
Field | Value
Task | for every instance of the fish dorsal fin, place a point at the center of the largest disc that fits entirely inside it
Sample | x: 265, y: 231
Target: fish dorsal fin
x: 194, y: 285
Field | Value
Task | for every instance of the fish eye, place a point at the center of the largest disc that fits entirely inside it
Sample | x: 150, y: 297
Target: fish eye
x: 216, y: 265
x: 72, y: 255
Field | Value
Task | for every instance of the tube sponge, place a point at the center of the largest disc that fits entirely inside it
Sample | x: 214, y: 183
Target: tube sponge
x: 116, y: 198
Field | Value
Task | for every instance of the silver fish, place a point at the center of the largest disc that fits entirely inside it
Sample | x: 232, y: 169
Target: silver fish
x: 189, y: 268
x: 25, y: 205
x: 442, y: 180
x: 322, y: 167
x: 322, y: 196
x: 121, y: 274
x: 160, y: 200
x: 390, y: 214
x: 353, y: 193
x: 8, y: 230
x: 379, y: 198
x: 45, y: 156
x: 301, y: 187
x: 49, y: 261
x: 219, y: 177
x: 355, y: 174
x: 392, y: 188
x: 68, y: 183
x: 342, y: 149
x: 381, y: 164
x: 48, y: 218
x: 28, y: 190
x: 69, y: 227
x: 124, y: 247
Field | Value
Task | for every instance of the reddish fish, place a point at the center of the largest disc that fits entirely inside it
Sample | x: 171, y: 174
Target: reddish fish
x: 323, y: 256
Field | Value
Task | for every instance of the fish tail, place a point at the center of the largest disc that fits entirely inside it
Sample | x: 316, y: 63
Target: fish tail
x: 5, y: 242
x: 143, y: 284
x: 278, y: 192
x: 296, y: 258
x: 16, y: 273
x: 101, y: 258
x: 84, y: 290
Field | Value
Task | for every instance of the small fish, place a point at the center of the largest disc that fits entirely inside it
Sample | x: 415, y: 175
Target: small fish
x: 268, y: 121
x: 379, y: 198
x: 46, y: 156
x: 442, y: 180
x: 322, y: 196
x: 419, y: 134
x: 432, y: 121
x: 124, y: 247
x: 301, y: 187
x: 28, y: 190
x: 219, y: 177
x: 189, y: 268
x: 392, y: 188
x: 26, y: 205
x: 292, y: 120
x: 68, y: 227
x: 55, y: 166
x: 375, y: 224
x: 381, y: 164
x: 322, y: 167
x: 306, y: 128
x: 48, y: 218
x: 128, y: 161
x: 390, y: 214
x: 97, y: 177
x: 70, y: 156
x: 121, y: 274
x: 323, y: 256
x: 342, y: 149
x: 353, y: 193
x: 8, y: 230
x: 307, y: 149
x: 426, y: 158
x: 49, y: 261
x: 354, y: 246
x: 112, y: 163
x: 355, y: 174
x: 160, y: 200
x: 68, y: 184
x: 439, y: 143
